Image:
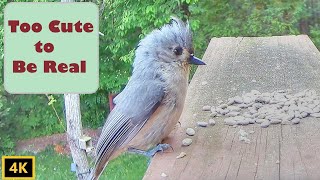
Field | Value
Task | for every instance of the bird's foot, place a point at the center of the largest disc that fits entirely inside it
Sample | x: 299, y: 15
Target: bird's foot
x: 159, y: 148
x: 150, y: 153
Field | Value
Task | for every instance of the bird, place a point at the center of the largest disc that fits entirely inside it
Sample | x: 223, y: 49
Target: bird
x: 150, y: 105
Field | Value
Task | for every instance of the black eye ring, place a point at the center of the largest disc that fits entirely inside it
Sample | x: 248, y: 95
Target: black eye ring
x: 178, y: 51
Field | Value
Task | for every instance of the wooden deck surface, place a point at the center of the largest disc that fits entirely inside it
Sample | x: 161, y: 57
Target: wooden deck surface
x: 235, y: 65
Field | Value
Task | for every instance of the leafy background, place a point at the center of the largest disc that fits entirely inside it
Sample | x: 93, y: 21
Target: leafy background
x: 123, y: 24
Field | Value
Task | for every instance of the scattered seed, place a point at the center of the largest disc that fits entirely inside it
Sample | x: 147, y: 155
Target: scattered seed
x: 243, y: 136
x: 230, y: 121
x: 186, y: 142
x: 202, y: 124
x: 190, y: 131
x: 255, y: 92
x: 233, y: 114
x: 206, y: 108
x: 247, y: 141
x: 247, y: 100
x: 244, y: 122
x: 223, y: 106
x: 261, y: 116
x: 259, y: 121
x: 304, y: 114
x: 230, y: 101
x: 251, y: 121
x: 243, y: 132
x: 297, y: 114
x: 181, y: 155
x: 295, y: 121
x: 238, y: 100
x: 243, y: 105
x: 234, y: 108
x: 265, y: 124
x: 285, y: 122
x: 212, y: 122
x: 247, y: 115
x: 275, y: 121
x: 218, y: 110
x: 224, y: 111
x: 238, y: 118
x: 164, y: 175
x: 213, y: 114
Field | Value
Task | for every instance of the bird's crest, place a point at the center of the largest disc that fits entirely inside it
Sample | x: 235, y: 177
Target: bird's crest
x: 175, y: 32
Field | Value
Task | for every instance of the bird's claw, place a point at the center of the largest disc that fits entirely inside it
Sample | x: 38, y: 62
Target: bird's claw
x: 150, y: 153
x: 161, y: 147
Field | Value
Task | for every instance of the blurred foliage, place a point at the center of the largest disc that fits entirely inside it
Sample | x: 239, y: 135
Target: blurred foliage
x: 123, y: 24
x: 255, y: 18
x: 6, y: 132
x: 315, y: 35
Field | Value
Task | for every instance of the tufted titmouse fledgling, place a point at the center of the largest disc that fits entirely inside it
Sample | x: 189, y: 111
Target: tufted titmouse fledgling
x: 150, y: 105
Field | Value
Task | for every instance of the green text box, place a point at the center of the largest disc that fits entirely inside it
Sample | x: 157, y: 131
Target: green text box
x: 69, y: 47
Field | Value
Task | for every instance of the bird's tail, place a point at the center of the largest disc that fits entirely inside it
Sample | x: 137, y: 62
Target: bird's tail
x: 95, y: 173
x: 118, y: 130
x: 92, y: 176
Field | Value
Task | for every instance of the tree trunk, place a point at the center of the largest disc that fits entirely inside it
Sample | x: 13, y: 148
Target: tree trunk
x: 74, y: 130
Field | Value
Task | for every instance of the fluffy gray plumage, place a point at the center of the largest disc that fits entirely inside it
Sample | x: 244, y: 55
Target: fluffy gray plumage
x: 156, y: 68
x: 152, y: 53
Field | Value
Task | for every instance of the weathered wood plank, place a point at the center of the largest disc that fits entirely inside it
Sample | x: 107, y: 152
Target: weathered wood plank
x: 235, y: 65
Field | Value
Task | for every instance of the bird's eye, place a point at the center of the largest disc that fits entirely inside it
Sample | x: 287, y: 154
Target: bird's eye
x: 178, y: 50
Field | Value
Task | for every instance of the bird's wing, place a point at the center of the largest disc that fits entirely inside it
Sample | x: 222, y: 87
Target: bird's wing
x: 134, y: 105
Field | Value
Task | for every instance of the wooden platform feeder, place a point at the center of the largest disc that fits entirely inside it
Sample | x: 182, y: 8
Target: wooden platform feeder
x: 234, y: 66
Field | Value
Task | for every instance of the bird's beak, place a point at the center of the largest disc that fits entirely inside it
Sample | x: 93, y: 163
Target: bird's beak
x: 196, y: 61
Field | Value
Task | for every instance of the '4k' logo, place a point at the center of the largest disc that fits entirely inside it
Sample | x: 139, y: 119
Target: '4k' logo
x: 18, y: 167
x: 21, y: 168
